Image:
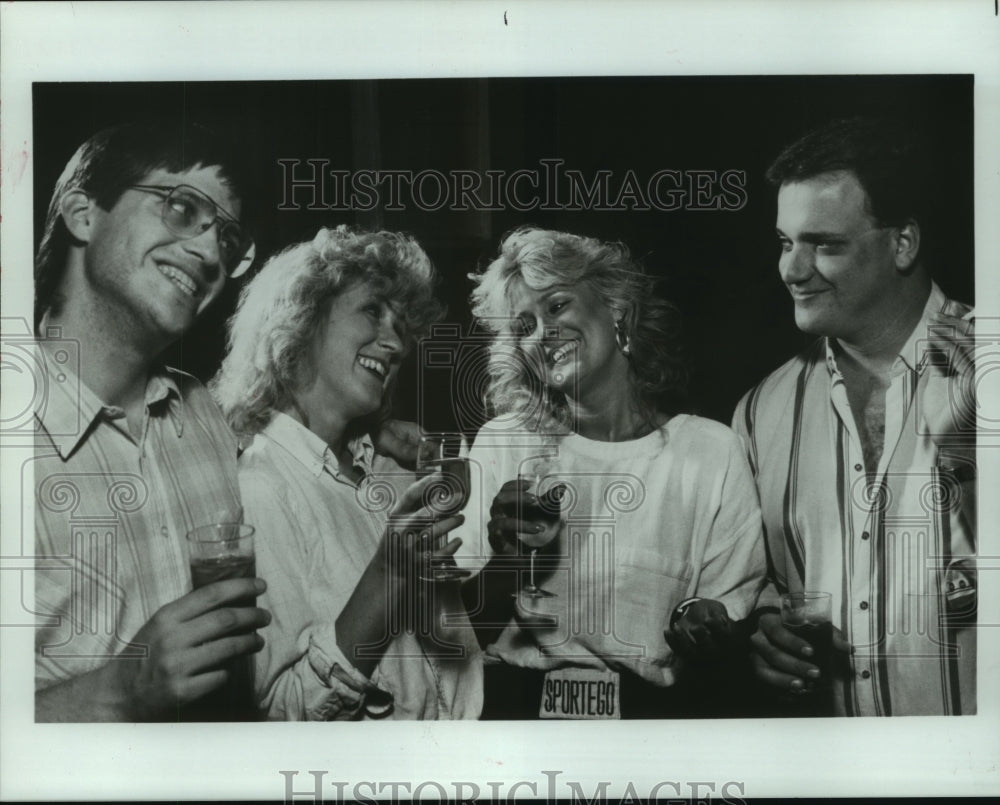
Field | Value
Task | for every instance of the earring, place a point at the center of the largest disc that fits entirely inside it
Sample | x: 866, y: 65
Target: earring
x: 622, y: 339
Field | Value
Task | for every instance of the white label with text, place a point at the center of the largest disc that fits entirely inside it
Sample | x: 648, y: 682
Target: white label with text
x: 580, y: 693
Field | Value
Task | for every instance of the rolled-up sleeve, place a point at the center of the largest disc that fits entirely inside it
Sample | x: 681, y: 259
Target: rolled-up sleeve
x: 301, y: 673
x: 734, y: 565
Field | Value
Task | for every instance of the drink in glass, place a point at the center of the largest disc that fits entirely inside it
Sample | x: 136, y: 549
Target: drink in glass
x: 540, y: 503
x: 447, y: 453
x: 217, y: 552
x: 808, y: 615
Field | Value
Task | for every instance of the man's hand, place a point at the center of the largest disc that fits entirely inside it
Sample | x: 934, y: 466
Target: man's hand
x: 703, y: 631
x: 187, y: 641
x: 781, y: 659
x: 399, y: 441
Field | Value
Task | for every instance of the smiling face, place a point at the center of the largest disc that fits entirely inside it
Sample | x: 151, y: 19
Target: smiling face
x: 141, y: 273
x: 569, y: 332
x: 839, y: 265
x: 355, y: 356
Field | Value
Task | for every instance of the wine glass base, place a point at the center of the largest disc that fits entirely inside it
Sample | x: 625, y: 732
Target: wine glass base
x: 440, y: 575
x: 528, y: 617
x: 534, y: 594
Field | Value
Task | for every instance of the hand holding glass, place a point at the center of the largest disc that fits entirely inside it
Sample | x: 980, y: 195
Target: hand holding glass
x: 217, y: 552
x: 808, y: 615
x: 539, y: 504
x: 447, y: 453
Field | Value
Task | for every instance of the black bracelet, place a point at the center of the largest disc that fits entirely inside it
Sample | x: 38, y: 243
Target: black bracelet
x: 680, y: 609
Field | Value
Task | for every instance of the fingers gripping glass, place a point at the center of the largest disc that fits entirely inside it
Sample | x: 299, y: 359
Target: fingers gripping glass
x: 187, y: 212
x: 540, y: 506
x: 447, y: 453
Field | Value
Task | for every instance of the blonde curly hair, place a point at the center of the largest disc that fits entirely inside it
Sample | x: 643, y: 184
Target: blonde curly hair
x: 546, y: 258
x: 282, y: 308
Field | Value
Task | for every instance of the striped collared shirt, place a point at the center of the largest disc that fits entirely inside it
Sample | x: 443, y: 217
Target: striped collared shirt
x: 895, y: 550
x: 112, y: 510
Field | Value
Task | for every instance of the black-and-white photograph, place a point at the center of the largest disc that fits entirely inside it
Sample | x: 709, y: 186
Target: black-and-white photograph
x: 524, y: 401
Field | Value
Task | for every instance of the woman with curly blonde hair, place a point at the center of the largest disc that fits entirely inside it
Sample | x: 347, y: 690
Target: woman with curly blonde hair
x: 650, y: 547
x: 646, y: 326
x: 314, y: 349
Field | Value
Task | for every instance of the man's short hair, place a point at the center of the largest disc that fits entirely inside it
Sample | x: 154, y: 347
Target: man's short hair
x: 881, y: 153
x: 108, y: 163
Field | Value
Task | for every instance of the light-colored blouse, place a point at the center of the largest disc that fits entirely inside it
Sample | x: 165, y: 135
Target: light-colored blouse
x: 316, y: 532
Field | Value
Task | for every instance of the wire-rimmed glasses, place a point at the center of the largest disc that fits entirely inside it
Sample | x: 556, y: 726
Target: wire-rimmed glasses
x: 187, y: 212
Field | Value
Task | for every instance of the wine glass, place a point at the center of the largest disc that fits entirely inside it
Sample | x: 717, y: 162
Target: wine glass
x: 539, y: 503
x: 449, y: 454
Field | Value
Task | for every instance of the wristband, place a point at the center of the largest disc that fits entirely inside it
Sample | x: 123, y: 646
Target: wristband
x: 379, y: 703
x: 680, y: 609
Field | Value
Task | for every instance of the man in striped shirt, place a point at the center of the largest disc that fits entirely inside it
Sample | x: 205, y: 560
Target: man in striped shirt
x: 863, y: 445
x: 142, y: 230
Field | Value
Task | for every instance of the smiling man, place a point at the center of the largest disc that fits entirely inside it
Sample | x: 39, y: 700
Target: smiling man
x: 141, y: 233
x: 863, y: 445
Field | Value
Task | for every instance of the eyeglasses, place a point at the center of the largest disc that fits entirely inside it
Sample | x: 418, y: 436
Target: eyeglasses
x: 187, y: 212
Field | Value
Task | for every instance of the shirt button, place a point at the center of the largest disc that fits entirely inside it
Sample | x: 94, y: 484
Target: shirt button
x: 858, y: 468
x: 866, y: 674
x: 865, y: 535
x: 864, y: 605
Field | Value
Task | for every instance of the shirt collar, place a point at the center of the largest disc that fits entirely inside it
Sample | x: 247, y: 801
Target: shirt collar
x: 64, y: 406
x: 363, y: 452
x: 163, y: 390
x: 913, y: 352
x: 68, y: 409
x: 312, y: 451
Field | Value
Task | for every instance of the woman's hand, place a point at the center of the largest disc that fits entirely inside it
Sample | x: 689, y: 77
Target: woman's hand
x: 399, y: 441
x: 412, y: 534
x: 539, y: 521
x: 384, y: 599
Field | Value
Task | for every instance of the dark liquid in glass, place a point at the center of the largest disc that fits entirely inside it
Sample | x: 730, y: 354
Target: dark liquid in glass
x: 819, y: 635
x: 234, y: 700
x: 544, y: 510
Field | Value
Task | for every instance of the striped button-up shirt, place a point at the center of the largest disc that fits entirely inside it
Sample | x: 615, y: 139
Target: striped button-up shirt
x: 112, y: 510
x: 895, y: 550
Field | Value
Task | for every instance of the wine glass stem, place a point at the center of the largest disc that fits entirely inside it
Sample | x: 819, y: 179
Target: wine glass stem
x: 531, y: 572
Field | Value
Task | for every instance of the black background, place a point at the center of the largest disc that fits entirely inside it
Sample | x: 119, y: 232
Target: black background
x: 719, y: 267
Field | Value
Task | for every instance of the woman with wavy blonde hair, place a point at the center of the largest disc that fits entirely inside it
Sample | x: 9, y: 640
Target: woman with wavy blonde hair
x: 647, y: 533
x: 314, y: 348
x: 646, y: 327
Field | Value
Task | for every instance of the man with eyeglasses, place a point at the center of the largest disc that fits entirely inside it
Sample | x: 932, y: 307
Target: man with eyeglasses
x: 863, y: 445
x: 142, y: 231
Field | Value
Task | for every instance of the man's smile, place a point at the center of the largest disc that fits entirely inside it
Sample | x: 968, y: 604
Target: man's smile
x: 181, y: 279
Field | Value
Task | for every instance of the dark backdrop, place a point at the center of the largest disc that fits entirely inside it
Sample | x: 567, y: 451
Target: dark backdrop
x: 719, y: 267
